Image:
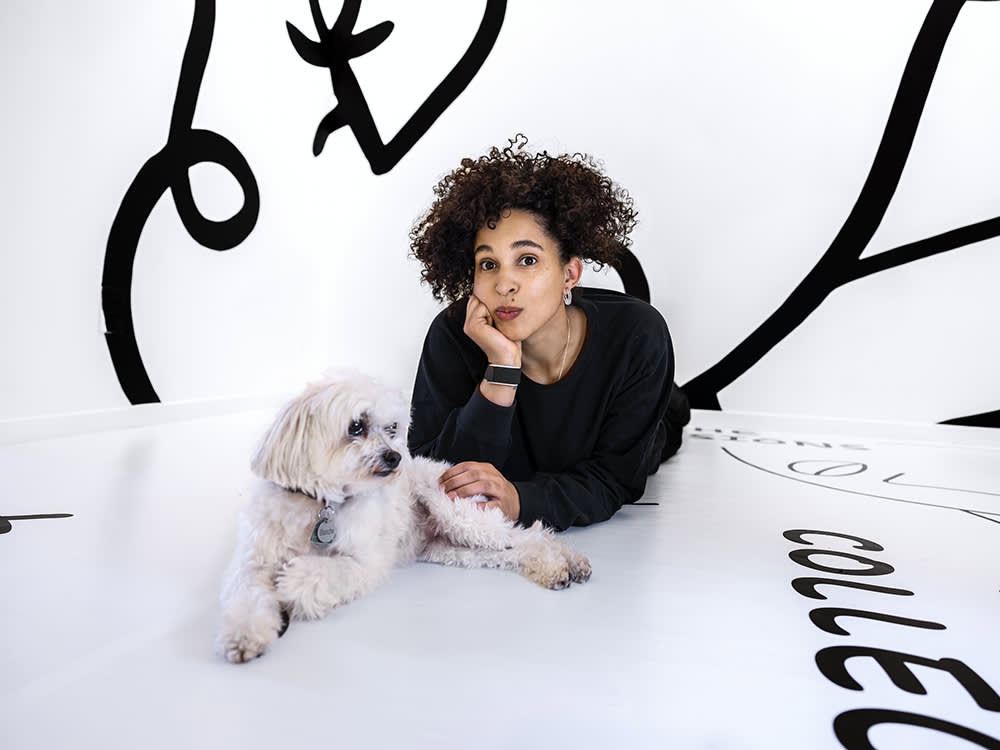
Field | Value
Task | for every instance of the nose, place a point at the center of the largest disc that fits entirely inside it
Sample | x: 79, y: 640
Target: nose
x: 505, y: 284
x: 390, y: 459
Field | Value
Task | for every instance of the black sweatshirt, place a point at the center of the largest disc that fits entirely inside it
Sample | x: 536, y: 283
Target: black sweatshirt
x: 576, y: 450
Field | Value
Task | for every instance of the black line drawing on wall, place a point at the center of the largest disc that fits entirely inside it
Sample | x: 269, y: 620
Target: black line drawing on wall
x: 168, y: 170
x: 338, y: 45
x: 842, y: 263
x: 843, y: 469
x: 186, y: 147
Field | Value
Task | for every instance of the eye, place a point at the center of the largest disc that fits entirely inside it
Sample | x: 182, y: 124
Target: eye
x: 529, y: 260
x: 391, y: 430
x: 356, y: 428
x: 487, y: 265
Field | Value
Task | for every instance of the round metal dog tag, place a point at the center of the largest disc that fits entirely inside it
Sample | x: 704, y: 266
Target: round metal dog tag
x: 323, y: 532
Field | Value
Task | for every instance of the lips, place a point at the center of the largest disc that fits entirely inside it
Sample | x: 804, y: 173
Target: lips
x: 507, y: 313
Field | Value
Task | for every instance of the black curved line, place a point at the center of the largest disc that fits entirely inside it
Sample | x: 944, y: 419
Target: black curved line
x: 840, y: 264
x: 169, y: 169
x: 889, y: 480
x: 338, y: 44
x: 939, y: 243
x: 864, y: 467
x: 853, y: 492
x: 632, y: 276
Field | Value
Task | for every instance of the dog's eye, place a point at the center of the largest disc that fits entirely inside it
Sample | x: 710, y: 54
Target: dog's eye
x: 356, y: 428
x: 391, y: 430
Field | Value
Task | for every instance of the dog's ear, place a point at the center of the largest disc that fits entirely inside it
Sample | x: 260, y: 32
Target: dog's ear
x: 283, y: 454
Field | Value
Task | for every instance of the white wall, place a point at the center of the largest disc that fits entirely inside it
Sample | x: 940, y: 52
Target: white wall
x: 743, y: 130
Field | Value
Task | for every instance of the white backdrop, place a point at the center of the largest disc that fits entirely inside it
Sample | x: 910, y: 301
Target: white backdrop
x: 744, y: 132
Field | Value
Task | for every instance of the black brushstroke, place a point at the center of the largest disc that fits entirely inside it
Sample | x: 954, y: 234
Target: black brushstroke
x: 807, y: 587
x: 986, y: 419
x: 825, y: 618
x: 169, y: 169
x: 852, y: 727
x: 633, y: 279
x: 338, y: 45
x: 804, y: 557
x: 5, y: 521
x: 841, y: 263
x: 978, y: 513
x: 832, y: 663
x: 798, y: 536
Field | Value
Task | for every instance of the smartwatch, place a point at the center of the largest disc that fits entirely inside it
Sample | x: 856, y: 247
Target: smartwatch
x: 502, y: 375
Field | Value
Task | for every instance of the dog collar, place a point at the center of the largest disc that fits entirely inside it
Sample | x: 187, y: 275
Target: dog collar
x: 303, y: 491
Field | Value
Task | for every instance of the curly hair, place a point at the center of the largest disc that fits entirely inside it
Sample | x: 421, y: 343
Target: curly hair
x: 589, y: 216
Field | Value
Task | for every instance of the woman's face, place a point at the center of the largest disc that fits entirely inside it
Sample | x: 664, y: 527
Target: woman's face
x: 519, y: 274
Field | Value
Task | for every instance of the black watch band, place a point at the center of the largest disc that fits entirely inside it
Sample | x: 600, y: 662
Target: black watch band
x: 502, y: 375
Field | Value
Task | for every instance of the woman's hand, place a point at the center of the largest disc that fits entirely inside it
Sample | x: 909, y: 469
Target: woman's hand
x: 499, y: 349
x: 474, y: 478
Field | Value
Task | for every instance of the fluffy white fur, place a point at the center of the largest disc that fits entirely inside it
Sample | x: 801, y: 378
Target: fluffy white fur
x: 344, y: 441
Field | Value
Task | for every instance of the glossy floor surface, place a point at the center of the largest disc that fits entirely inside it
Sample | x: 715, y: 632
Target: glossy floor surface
x: 690, y: 634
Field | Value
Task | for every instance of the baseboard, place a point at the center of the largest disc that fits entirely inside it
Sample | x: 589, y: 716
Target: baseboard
x: 60, y: 425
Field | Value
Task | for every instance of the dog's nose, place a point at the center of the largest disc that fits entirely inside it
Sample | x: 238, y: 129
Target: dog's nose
x: 390, y: 459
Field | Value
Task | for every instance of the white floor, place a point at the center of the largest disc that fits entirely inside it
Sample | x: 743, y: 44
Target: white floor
x: 689, y: 634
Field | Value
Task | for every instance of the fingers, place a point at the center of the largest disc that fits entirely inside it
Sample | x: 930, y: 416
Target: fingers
x: 473, y: 478
x: 479, y: 326
x: 477, y: 312
x: 450, y: 474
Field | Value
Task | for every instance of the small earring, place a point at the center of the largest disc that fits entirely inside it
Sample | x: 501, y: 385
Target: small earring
x: 567, y: 298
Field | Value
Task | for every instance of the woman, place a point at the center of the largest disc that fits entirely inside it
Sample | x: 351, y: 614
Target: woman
x: 554, y: 401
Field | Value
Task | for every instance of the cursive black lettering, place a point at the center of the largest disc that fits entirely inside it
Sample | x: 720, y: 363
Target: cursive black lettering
x: 807, y: 587
x: 825, y: 618
x: 852, y: 727
x: 832, y: 662
x: 876, y: 567
x: 796, y: 535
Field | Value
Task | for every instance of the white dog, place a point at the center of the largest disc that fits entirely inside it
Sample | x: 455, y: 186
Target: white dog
x: 340, y: 502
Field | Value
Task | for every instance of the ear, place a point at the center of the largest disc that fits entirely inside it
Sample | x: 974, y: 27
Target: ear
x: 573, y: 270
x: 283, y: 456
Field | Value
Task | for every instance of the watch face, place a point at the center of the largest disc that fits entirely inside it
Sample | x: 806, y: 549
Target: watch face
x: 503, y: 375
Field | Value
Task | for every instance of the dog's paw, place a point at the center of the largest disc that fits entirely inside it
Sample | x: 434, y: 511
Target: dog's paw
x: 303, y: 588
x: 579, y: 567
x: 545, y: 565
x: 247, y: 629
x: 241, y: 641
x: 242, y: 647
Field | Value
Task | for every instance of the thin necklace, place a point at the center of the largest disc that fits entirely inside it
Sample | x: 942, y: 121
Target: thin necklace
x: 569, y: 328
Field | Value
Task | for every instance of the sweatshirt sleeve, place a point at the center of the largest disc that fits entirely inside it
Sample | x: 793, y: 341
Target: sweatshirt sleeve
x: 631, y: 440
x: 452, y: 420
